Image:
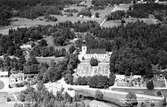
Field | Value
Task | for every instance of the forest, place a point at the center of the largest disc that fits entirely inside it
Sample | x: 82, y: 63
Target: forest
x: 5, y: 14
x: 136, y: 46
x: 144, y: 10
x: 30, y: 8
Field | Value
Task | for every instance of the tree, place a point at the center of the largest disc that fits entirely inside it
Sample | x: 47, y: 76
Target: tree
x: 71, y: 49
x: 164, y: 103
x: 42, y: 69
x: 32, y: 60
x: 159, y: 93
x: 150, y: 85
x: 40, y: 86
x: 152, y: 104
x: 97, y: 14
x: 68, y: 78
x: 112, y: 79
x: 93, y: 62
x: 99, y: 95
x: 54, y: 74
x: 131, y: 99
x: 143, y: 105
x: 43, y: 43
x: 99, y: 81
x: 82, y: 81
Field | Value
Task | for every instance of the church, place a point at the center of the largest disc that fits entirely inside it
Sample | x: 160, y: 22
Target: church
x: 84, y: 69
x: 100, y: 54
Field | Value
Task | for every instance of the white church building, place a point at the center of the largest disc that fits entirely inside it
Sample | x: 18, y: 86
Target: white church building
x: 100, y: 54
x: 84, y: 68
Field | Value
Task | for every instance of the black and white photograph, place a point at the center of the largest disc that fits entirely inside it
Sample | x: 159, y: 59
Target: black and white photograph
x: 83, y: 53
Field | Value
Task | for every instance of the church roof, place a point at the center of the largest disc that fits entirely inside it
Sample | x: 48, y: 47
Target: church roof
x: 96, y: 51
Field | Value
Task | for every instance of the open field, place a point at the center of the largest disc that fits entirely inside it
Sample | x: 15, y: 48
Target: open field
x: 96, y: 103
x: 24, y: 22
x: 6, y: 105
x: 137, y: 91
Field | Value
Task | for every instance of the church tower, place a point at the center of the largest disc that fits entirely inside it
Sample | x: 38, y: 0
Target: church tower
x: 84, y: 48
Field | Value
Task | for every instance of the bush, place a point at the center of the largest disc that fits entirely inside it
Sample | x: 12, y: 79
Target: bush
x: 97, y: 14
x: 68, y: 78
x: 71, y: 49
x: 150, y: 85
x: 18, y: 105
x: 99, y: 81
x: 152, y: 105
x: 71, y: 10
x: 112, y: 79
x: 8, y: 99
x: 99, y: 95
x: 164, y: 103
x: 51, y: 18
x: 93, y: 62
x: 82, y: 81
x: 131, y: 99
x: 20, y: 85
x: 159, y: 93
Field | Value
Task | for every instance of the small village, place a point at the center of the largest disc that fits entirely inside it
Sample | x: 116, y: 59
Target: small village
x: 83, y: 53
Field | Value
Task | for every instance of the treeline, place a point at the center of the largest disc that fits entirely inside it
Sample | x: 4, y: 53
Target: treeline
x: 48, y: 51
x: 21, y: 4
x: 97, y: 81
x: 5, y: 14
x: 141, y: 11
x: 117, y: 15
x: 144, y: 10
x: 30, y: 8
x: 107, y: 2
x: 39, y: 10
x: 41, y: 97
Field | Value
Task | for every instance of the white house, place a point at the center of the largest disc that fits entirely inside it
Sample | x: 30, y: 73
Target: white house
x: 3, y: 74
x: 25, y: 46
x: 16, y: 79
